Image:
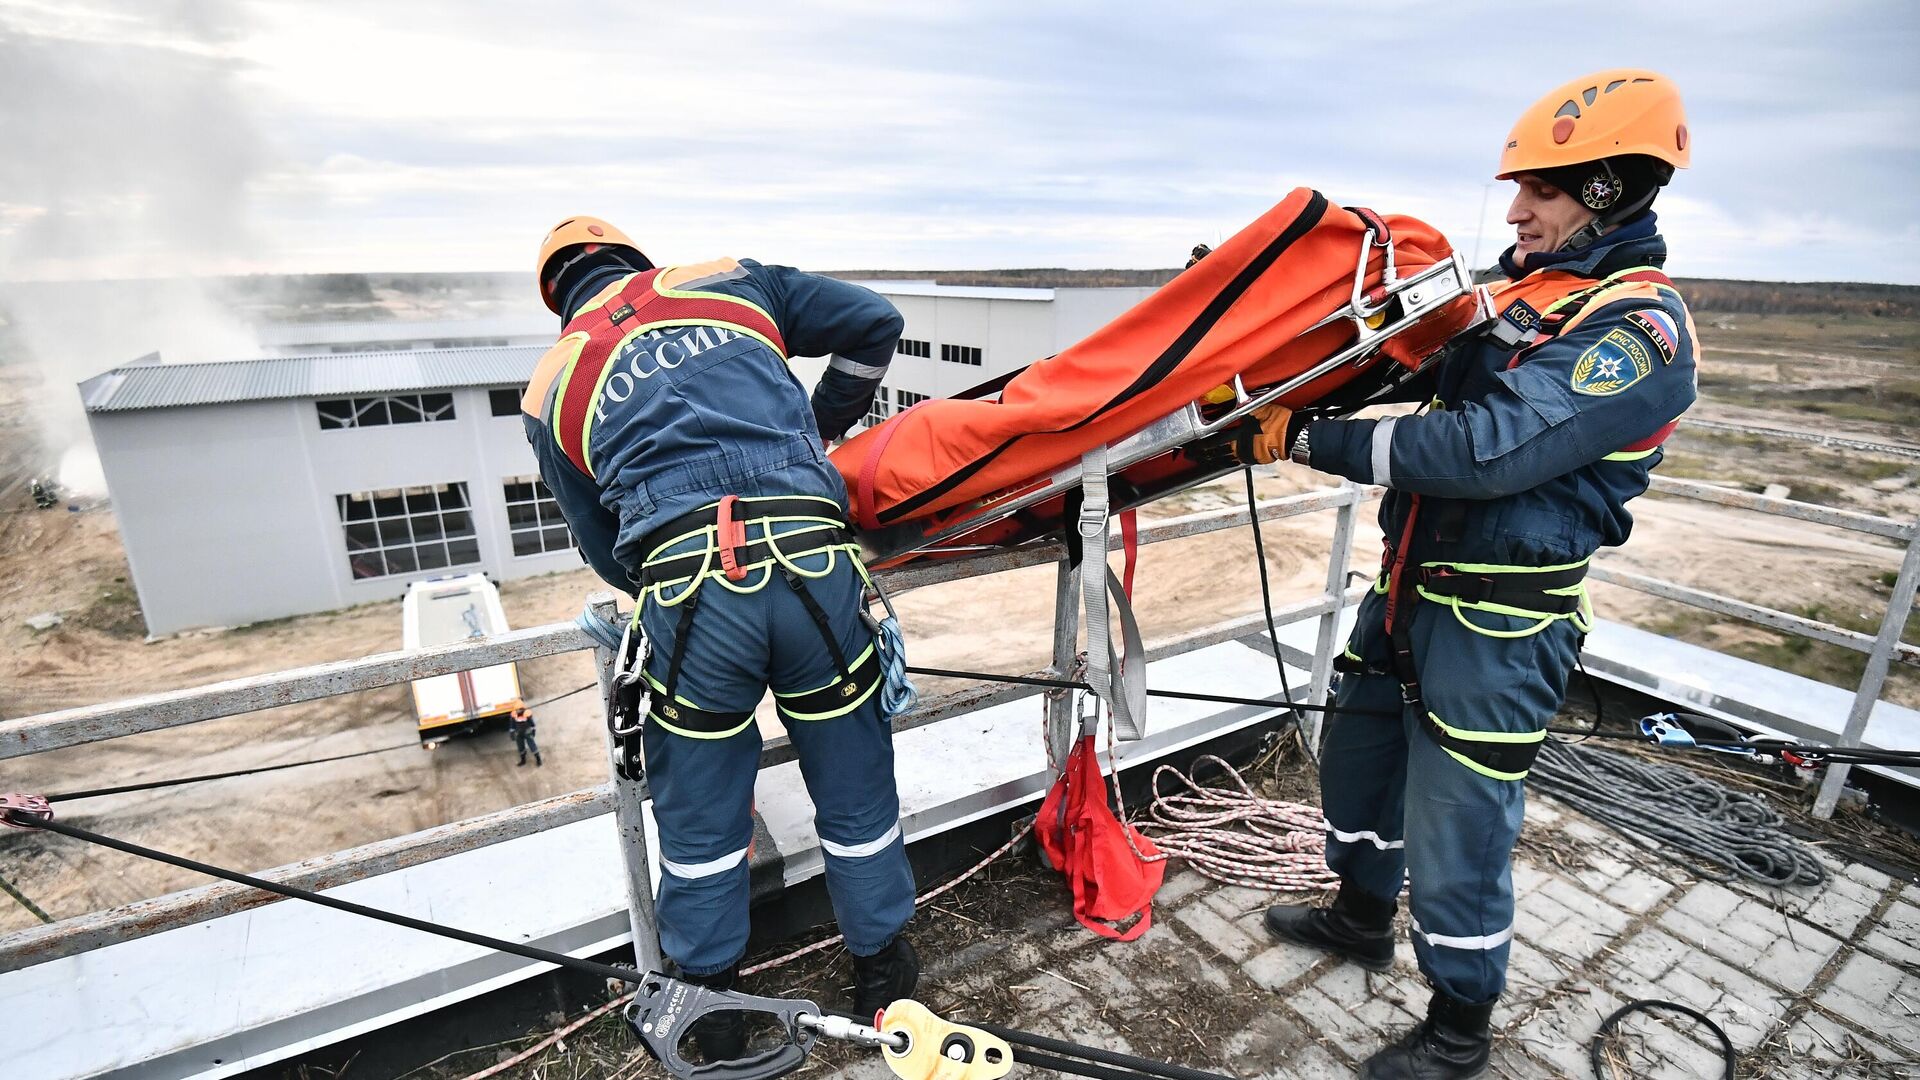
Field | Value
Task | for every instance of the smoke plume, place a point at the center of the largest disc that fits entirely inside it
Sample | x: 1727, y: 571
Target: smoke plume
x: 129, y: 153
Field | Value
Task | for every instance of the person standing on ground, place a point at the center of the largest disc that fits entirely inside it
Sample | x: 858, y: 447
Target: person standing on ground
x: 691, y: 466
x: 1543, y: 424
x: 520, y: 725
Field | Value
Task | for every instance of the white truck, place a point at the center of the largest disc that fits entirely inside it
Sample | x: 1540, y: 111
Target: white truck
x: 441, y: 611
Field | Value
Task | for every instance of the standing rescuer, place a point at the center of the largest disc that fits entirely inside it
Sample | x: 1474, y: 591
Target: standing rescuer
x: 1542, y: 426
x: 690, y: 464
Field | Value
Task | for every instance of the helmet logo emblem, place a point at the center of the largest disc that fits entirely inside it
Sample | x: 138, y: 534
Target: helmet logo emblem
x: 1600, y: 191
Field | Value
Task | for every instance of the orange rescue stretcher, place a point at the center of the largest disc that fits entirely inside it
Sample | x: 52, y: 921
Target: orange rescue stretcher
x: 1312, y: 306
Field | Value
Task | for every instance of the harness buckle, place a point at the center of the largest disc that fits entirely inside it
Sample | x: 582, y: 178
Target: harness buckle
x: 730, y: 534
x: 1472, y: 588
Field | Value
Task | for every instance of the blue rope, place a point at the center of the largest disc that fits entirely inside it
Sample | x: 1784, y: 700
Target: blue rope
x: 599, y: 629
x: 898, y: 695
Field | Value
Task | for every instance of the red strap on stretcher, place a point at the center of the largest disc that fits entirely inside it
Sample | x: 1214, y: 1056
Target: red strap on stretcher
x: 731, y: 535
x: 1129, y: 549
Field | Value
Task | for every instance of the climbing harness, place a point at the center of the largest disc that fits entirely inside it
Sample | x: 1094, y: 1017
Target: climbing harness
x: 663, y: 1009
x: 742, y: 544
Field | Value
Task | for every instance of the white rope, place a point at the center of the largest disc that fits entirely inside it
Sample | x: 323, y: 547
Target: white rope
x: 1234, y: 836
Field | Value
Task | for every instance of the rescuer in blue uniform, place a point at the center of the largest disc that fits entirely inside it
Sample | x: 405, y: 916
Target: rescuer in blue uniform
x: 691, y: 466
x: 1542, y: 426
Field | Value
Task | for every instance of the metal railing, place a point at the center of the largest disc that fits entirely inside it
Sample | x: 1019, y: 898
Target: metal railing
x: 74, y: 727
x: 1883, y: 648
x: 96, y: 723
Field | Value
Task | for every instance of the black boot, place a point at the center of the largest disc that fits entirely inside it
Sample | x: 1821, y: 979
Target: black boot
x: 1453, y: 1043
x: 884, y: 978
x: 1359, y: 926
x: 721, y: 1036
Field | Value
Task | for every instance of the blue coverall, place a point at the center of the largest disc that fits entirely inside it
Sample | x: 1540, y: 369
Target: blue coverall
x: 1516, y: 467
x: 685, y: 416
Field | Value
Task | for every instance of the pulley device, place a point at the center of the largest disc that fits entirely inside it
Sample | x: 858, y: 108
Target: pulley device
x: 916, y: 1044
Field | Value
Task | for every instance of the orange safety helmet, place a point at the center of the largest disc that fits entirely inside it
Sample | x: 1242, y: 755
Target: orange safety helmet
x: 590, y: 232
x: 1603, y: 115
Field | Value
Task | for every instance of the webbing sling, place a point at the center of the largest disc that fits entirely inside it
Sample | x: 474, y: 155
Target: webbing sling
x: 636, y: 308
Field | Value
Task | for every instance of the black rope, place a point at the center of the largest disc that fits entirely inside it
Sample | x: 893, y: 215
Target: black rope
x: 1266, y: 598
x: 150, y: 785
x: 1181, y: 695
x: 1596, y: 1049
x: 605, y: 971
x: 93, y: 793
x: 1024, y: 1056
x: 1162, y: 1069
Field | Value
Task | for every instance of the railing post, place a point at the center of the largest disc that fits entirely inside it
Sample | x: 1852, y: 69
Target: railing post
x: 1066, y: 649
x: 1338, y: 561
x: 629, y: 814
x: 1875, y: 677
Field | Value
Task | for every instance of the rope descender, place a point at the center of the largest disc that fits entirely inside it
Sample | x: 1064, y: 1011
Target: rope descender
x: 18, y: 811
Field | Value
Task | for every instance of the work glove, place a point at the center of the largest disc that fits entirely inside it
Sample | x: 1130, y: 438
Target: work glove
x: 1258, y: 439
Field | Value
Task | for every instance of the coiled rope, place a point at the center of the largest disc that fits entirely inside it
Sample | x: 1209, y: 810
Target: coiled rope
x: 1722, y: 834
x: 1234, y: 836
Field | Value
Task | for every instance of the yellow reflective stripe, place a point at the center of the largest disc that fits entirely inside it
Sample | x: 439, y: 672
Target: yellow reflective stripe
x: 694, y: 294
x: 1599, y: 287
x: 1351, y: 655
x: 852, y: 550
x: 658, y: 719
x: 1488, y: 736
x: 842, y: 710
x: 593, y: 403
x: 1497, y: 568
x: 854, y: 663
x: 1630, y: 455
x: 1482, y: 769
x: 604, y: 295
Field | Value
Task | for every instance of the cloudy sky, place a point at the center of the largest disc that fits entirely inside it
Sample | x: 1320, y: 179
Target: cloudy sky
x: 160, y: 137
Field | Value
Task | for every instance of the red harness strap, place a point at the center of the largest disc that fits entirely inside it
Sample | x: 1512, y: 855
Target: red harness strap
x: 638, y: 303
x: 730, y: 536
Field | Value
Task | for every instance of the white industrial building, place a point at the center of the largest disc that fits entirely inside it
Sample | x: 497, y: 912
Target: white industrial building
x: 254, y: 489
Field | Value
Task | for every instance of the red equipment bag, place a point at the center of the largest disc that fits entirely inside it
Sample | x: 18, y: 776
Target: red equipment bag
x: 1111, y: 883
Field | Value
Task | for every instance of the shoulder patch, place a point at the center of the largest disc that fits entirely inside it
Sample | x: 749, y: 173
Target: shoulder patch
x: 1659, y: 328
x: 1618, y: 360
x: 1521, y: 315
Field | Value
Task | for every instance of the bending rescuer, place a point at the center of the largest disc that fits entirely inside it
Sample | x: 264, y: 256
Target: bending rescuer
x: 689, y: 463
x: 1541, y: 428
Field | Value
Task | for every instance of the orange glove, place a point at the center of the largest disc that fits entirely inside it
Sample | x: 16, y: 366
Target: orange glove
x: 1259, y: 439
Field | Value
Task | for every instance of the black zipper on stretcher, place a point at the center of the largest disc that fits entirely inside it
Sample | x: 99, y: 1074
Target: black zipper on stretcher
x: 1172, y: 357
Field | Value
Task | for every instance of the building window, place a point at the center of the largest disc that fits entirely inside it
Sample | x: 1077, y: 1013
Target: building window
x: 406, y: 530
x: 533, y: 518
x: 505, y: 401
x: 912, y: 347
x: 905, y: 399
x: 877, y: 411
x: 379, y: 411
x: 961, y: 354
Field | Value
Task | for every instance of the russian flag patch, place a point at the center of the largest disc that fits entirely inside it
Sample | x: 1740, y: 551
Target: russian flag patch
x: 1659, y: 328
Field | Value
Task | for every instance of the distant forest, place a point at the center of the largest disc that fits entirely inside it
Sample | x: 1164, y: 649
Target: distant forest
x: 1704, y: 294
